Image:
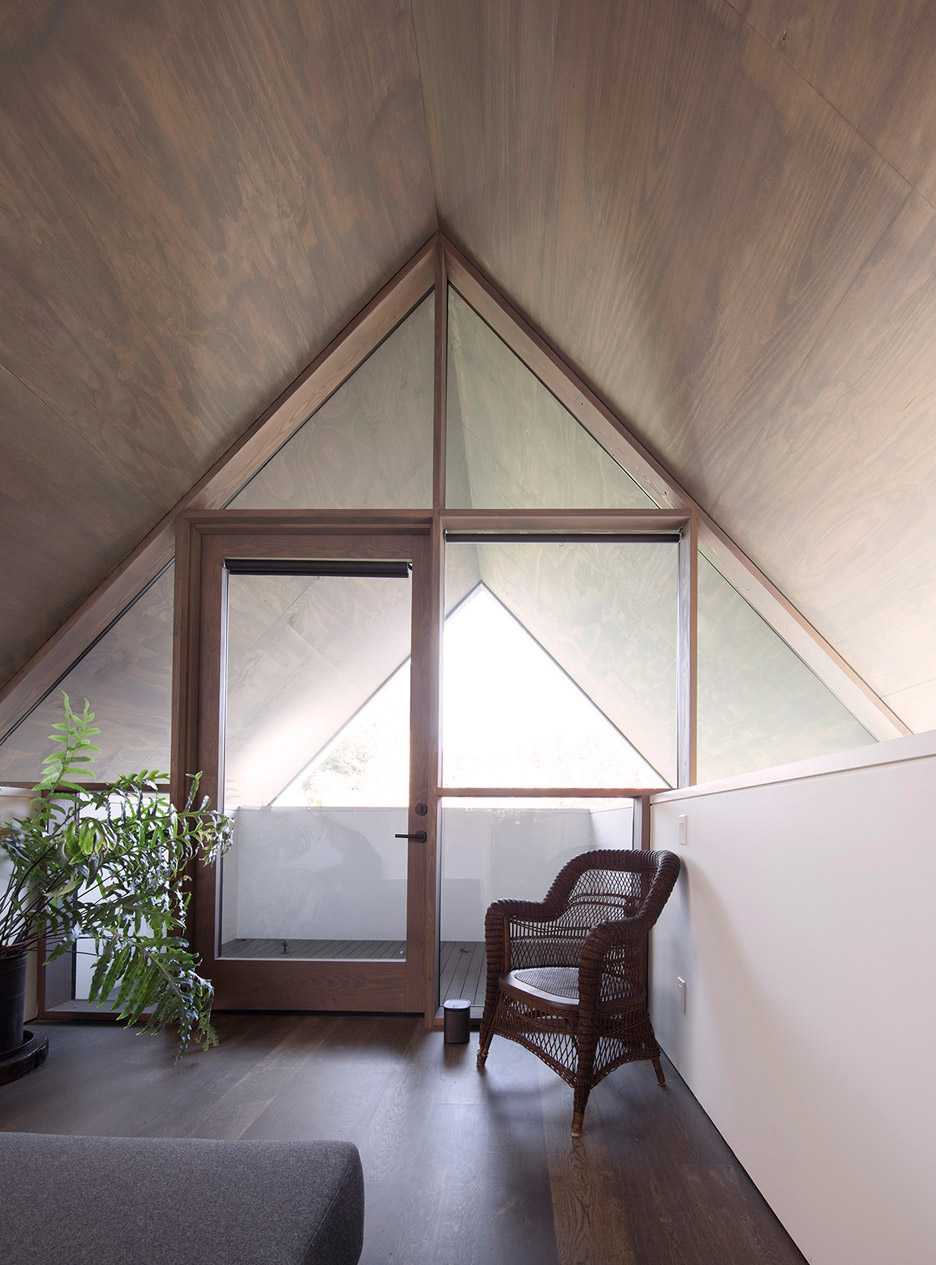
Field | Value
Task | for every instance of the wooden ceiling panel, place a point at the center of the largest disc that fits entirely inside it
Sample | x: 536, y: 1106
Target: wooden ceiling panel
x: 687, y: 219
x: 874, y: 60
x: 917, y: 705
x: 717, y: 212
x: 50, y: 479
x: 847, y: 463
x: 664, y: 196
x: 198, y: 197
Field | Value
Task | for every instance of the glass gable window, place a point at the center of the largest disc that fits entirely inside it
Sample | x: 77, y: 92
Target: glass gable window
x: 511, y: 444
x: 759, y: 704
x: 560, y: 665
x: 127, y: 677
x: 369, y: 446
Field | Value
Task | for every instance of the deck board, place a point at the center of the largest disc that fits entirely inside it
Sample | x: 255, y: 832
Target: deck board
x: 462, y: 969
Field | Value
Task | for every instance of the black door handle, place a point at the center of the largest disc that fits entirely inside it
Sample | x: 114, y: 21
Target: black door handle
x: 420, y: 836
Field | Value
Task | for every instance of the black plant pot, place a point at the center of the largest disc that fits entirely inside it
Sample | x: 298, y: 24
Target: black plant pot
x: 12, y: 1000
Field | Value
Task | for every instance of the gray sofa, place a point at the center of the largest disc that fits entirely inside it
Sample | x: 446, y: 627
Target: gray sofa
x: 169, y: 1201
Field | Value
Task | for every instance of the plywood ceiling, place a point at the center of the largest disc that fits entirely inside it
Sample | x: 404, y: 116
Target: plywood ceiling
x: 725, y: 220
x: 724, y: 215
x: 197, y: 198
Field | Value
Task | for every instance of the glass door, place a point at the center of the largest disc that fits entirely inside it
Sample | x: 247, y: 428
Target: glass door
x: 320, y: 762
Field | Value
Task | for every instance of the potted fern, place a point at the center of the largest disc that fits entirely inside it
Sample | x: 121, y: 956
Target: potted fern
x: 110, y: 866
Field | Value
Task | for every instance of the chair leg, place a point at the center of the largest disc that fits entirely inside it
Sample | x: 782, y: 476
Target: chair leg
x: 583, y: 1081
x: 487, y: 1031
x: 658, y: 1068
x: 578, y: 1113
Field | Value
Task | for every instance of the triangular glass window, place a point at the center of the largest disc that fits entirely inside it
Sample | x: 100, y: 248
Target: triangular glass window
x: 126, y: 676
x: 510, y: 443
x: 605, y: 612
x: 492, y: 664
x: 759, y: 704
x: 369, y: 446
x: 512, y: 716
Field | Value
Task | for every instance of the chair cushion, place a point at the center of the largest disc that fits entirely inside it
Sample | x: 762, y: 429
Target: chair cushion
x: 559, y: 981
x: 555, y: 988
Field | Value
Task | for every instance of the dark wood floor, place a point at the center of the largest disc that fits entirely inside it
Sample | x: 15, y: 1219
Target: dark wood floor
x: 461, y: 1167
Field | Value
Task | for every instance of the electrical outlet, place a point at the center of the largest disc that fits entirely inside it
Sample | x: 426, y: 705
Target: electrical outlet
x: 682, y: 830
x: 681, y: 993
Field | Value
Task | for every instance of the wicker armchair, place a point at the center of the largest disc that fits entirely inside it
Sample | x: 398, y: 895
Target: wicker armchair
x: 567, y: 976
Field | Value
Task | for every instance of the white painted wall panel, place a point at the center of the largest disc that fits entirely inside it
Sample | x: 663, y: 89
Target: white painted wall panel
x: 803, y: 925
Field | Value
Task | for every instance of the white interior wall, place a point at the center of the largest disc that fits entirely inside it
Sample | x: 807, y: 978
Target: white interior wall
x: 803, y: 926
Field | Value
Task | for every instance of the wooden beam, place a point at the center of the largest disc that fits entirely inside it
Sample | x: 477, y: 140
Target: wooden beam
x: 440, y: 381
x: 225, y: 478
x: 641, y: 828
x: 549, y: 792
x: 432, y: 718
x: 652, y: 476
x: 624, y: 521
x: 687, y: 657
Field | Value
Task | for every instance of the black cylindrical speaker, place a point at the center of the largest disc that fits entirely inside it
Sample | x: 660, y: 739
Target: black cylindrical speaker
x: 457, y: 1021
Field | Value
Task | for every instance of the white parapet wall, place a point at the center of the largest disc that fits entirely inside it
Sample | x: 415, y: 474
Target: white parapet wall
x: 804, y: 926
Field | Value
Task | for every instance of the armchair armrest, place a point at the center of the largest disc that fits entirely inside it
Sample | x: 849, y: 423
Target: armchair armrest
x: 528, y: 923
x: 613, y: 961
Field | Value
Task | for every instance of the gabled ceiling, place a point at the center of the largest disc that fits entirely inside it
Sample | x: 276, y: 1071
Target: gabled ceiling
x: 197, y: 198
x: 723, y: 215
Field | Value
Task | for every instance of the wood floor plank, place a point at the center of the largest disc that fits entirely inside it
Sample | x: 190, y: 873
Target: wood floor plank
x: 461, y: 1167
x: 477, y: 976
x: 590, y: 1207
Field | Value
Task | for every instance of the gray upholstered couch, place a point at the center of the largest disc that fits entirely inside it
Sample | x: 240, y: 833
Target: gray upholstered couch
x: 165, y: 1201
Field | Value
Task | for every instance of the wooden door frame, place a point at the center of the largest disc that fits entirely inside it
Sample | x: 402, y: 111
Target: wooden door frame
x: 414, y: 988
x: 204, y: 540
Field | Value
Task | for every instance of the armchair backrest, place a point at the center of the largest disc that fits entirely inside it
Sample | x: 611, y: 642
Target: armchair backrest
x: 604, y: 886
x: 591, y: 889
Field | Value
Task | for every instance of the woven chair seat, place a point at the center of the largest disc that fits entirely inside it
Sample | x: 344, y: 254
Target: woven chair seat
x: 562, y: 982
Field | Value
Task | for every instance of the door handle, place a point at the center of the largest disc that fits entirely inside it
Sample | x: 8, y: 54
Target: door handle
x: 419, y: 837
